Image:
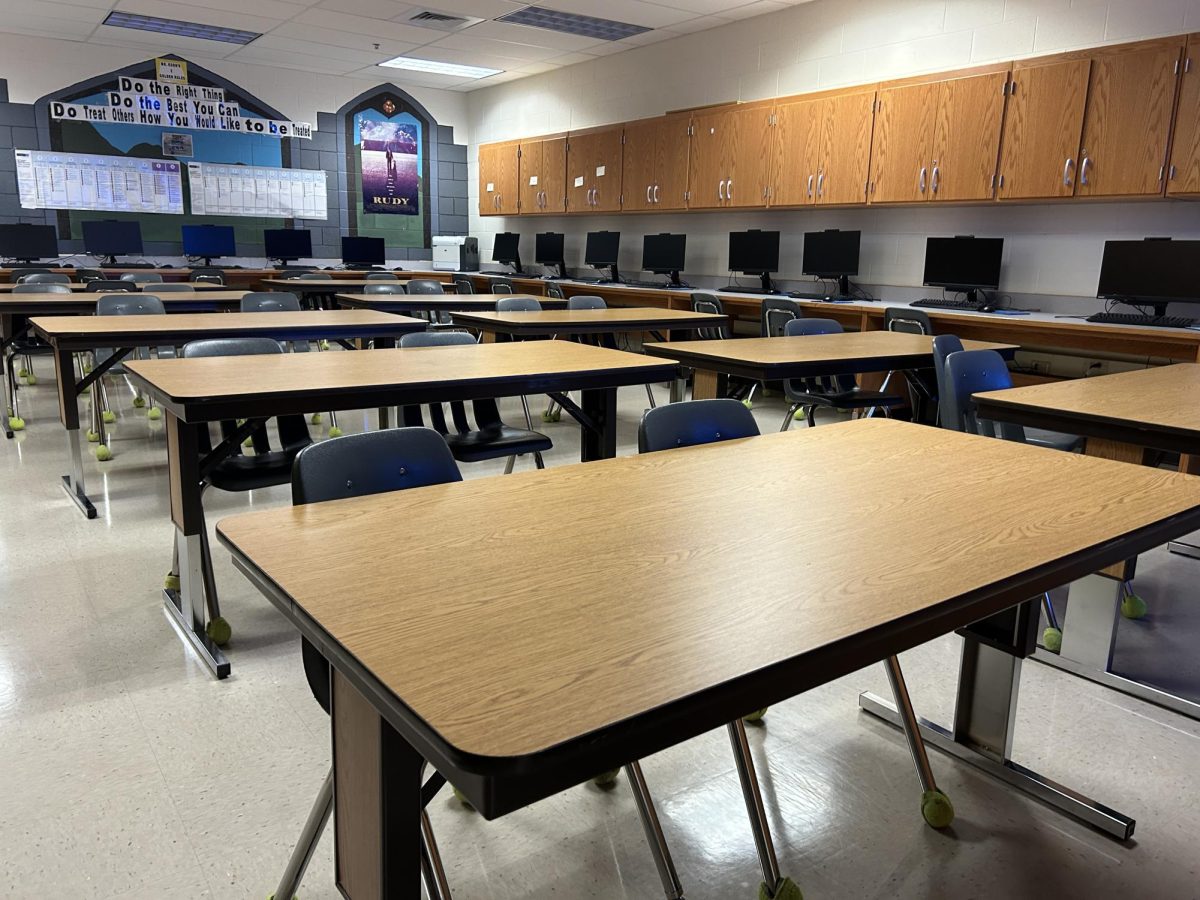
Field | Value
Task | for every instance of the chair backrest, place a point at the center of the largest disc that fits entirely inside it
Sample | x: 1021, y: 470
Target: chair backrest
x: 801, y: 327
x: 208, y: 279
x: 270, y: 301
x: 385, y: 287
x: 44, y: 278
x: 86, y: 275
x: 130, y: 305
x: 142, y: 277
x: 211, y: 274
x: 359, y: 465
x: 943, y: 346
x: 776, y: 313
x: 425, y: 286
x: 552, y: 290
x: 505, y: 287
x: 464, y: 286
x: 15, y: 275
x: 969, y: 372
x: 586, y: 301
x: 34, y: 287
x: 314, y: 276
x: 293, y: 273
x: 907, y: 319
x: 174, y: 287
x: 694, y: 422
x: 435, y: 339
x: 709, y: 303
x: 102, y: 285
x: 380, y: 276
x: 246, y: 346
x: 518, y: 304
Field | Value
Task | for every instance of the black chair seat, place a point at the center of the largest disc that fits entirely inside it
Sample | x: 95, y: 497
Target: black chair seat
x: 844, y: 400
x: 250, y: 473
x: 494, y: 441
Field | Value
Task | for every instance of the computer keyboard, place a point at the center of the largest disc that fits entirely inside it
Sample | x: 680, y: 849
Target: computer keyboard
x: 946, y: 303
x: 496, y: 272
x: 1110, y: 318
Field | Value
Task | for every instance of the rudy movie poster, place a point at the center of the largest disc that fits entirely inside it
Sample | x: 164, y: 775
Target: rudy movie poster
x: 389, y: 167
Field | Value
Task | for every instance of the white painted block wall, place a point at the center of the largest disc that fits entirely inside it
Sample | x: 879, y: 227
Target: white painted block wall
x: 1050, y: 249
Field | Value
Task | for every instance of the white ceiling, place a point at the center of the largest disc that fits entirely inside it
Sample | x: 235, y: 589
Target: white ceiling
x: 350, y: 37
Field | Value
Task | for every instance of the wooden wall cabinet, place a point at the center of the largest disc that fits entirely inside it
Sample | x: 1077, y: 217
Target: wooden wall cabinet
x: 822, y: 151
x: 903, y: 144
x: 594, y: 162
x: 499, y: 193
x: 730, y: 157
x: 655, y: 164
x: 543, y: 176
x: 1183, y: 173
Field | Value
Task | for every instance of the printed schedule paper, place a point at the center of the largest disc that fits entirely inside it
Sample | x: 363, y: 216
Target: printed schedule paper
x: 48, y: 179
x: 257, y: 191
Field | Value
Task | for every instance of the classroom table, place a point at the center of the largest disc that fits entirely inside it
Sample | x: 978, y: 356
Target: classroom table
x: 435, y: 303
x: 146, y: 287
x: 503, y: 687
x: 68, y: 335
x: 305, y: 288
x: 195, y: 392
x: 779, y: 358
x: 15, y: 308
x: 573, y: 322
x: 1125, y: 417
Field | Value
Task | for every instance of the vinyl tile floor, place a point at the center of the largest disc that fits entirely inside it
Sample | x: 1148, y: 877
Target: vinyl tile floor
x: 128, y: 772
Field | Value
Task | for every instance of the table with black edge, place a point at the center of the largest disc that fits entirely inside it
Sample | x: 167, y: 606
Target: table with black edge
x: 1131, y: 417
x: 324, y: 289
x: 69, y: 335
x: 195, y: 392
x: 503, y: 687
x: 435, y: 303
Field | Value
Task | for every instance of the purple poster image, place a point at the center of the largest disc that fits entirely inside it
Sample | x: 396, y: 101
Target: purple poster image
x: 389, y: 167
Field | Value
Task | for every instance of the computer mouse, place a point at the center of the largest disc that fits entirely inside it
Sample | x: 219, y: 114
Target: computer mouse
x: 398, y: 269
x: 987, y: 309
x: 328, y: 268
x: 167, y: 266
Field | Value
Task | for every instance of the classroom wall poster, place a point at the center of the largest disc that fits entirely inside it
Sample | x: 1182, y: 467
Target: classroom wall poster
x: 390, y: 173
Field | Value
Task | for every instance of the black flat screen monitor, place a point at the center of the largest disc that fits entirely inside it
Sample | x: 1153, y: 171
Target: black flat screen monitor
x: 28, y: 243
x: 506, y: 250
x: 548, y: 251
x: 208, y: 241
x: 755, y: 253
x: 286, y: 244
x: 832, y: 254
x: 111, y: 238
x: 601, y: 248
x: 963, y: 263
x: 363, y: 251
x: 663, y: 254
x: 1151, y: 272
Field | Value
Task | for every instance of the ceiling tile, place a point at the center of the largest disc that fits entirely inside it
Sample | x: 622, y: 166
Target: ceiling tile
x: 47, y: 26
x: 762, y: 7
x: 325, y: 18
x: 471, y: 58
x: 537, y: 37
x: 403, y: 78
x: 302, y: 49
x: 370, y: 9
x: 537, y: 68
x: 185, y: 13
x: 362, y: 43
x: 288, y: 60
x: 469, y: 42
x: 706, y: 7
x: 701, y: 23
x: 570, y: 59
x: 483, y: 9
x: 633, y: 12
x: 159, y: 43
x: 105, y: 5
x: 16, y: 11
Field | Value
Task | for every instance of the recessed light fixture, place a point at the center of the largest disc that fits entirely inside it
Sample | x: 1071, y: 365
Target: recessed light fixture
x: 182, y: 29
x: 438, y: 67
x: 573, y: 23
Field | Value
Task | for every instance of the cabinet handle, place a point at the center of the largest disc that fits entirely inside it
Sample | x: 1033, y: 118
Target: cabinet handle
x: 721, y: 189
x: 1083, y: 170
x: 933, y: 184
x: 656, y: 193
x: 820, y: 184
x: 1068, y: 172
x: 1171, y: 173
x: 595, y: 196
x: 921, y: 180
x: 1162, y: 170
x: 648, y: 200
x: 810, y: 181
x: 729, y: 189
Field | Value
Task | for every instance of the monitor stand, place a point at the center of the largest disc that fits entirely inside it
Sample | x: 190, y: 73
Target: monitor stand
x: 768, y: 287
x: 614, y: 277
x: 561, y: 266
x: 208, y: 260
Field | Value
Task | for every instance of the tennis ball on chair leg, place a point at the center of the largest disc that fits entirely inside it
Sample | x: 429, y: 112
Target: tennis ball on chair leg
x: 785, y: 890
x: 16, y: 423
x: 936, y: 809
x: 316, y: 419
x: 756, y: 716
x: 139, y: 402
x: 1133, y: 606
x: 154, y: 413
x: 1052, y: 639
x: 93, y: 437
x: 23, y: 372
x: 335, y: 432
x: 103, y: 453
x: 218, y: 631
x: 607, y: 779
x: 171, y: 582
x: 109, y: 416
x: 461, y: 798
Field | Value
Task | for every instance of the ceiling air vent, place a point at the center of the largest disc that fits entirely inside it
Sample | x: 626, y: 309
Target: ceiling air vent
x: 441, y: 21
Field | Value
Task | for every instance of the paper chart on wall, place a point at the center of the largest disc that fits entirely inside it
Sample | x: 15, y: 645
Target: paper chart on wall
x: 257, y: 191
x: 53, y: 180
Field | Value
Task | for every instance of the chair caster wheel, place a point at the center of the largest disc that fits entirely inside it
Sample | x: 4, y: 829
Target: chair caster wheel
x: 607, y: 779
x: 335, y: 432
x: 1133, y: 607
x: 171, y: 582
x: 218, y: 631
x: 1052, y: 639
x: 93, y: 437
x: 16, y: 423
x: 139, y: 402
x: 103, y: 453
x: 462, y: 798
x: 936, y: 809
x: 154, y: 414
x: 756, y: 716
x: 316, y: 419
x: 749, y: 404
x: 108, y: 416
x: 786, y: 889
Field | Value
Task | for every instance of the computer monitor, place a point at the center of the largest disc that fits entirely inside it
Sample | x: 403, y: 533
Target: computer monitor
x: 832, y: 254
x: 755, y: 253
x: 363, y: 251
x: 28, y: 243
x: 1152, y: 272
x: 287, y: 244
x: 963, y: 263
x: 506, y: 250
x: 601, y: 251
x: 111, y: 238
x: 208, y: 241
x: 663, y: 254
x: 548, y: 251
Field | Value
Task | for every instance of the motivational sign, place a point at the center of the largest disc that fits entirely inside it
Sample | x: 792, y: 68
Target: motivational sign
x: 173, y: 71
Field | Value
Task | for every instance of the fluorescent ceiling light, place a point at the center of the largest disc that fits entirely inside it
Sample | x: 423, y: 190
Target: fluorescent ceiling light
x: 182, y: 29
x: 439, y: 68
x: 573, y: 23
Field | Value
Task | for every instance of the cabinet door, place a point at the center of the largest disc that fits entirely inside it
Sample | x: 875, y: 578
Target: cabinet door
x: 672, y: 149
x: 579, y: 187
x: 529, y: 173
x: 966, y: 143
x: 488, y: 198
x: 639, y: 165
x: 797, y: 152
x: 845, y: 158
x: 604, y: 171
x: 748, y: 177
x: 554, y: 175
x: 1184, y: 174
x: 1131, y: 95
x: 498, y: 192
x: 903, y: 144
x: 710, y: 160
x: 1039, y: 155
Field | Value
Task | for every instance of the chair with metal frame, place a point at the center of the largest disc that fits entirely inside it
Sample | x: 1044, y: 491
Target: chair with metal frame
x: 380, y: 276
x: 385, y: 287
x: 552, y: 290
x: 922, y: 390
x: 699, y: 422
x: 703, y: 302
x: 292, y: 274
x: 314, y: 276
x: 15, y: 275
x: 142, y: 277
x: 44, y: 278
x: 518, y: 304
x: 21, y: 343
x: 463, y: 285
x: 86, y: 275
x: 175, y: 287
x: 506, y: 287
x: 108, y: 285
x: 209, y: 274
x: 840, y: 392
x: 491, y: 438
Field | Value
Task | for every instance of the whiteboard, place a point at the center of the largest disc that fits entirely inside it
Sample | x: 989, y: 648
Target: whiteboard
x: 47, y: 179
x: 257, y: 191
